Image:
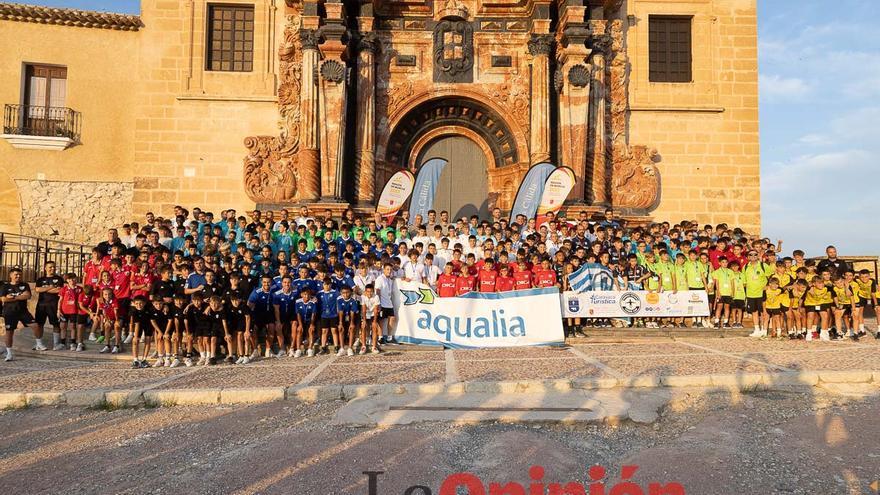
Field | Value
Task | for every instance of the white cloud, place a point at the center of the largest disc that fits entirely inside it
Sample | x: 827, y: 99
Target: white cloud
x: 778, y: 88
x: 816, y: 140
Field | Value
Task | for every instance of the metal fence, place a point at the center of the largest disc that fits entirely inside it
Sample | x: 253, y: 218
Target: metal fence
x: 31, y: 253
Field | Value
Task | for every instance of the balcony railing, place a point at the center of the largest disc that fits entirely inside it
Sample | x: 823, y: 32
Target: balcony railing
x: 30, y: 120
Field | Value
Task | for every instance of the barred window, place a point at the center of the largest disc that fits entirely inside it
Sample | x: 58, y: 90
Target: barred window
x: 669, y: 40
x: 230, y: 38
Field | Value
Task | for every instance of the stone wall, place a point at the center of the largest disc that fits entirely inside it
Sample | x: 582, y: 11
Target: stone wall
x: 79, y: 211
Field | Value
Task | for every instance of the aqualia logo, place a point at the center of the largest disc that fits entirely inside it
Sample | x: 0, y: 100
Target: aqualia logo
x: 480, y: 327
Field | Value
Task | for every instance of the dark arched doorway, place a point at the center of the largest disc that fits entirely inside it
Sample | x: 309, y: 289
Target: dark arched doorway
x: 463, y: 189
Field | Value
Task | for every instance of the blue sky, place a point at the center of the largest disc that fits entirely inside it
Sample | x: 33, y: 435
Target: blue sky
x: 820, y: 120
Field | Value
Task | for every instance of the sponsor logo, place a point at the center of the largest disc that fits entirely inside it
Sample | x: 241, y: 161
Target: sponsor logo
x: 652, y: 297
x: 497, y: 324
x: 630, y: 303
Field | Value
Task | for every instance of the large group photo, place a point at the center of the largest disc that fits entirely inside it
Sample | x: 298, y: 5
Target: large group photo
x: 439, y: 247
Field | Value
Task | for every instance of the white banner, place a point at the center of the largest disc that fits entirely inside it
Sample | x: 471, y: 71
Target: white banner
x: 503, y: 319
x: 635, y: 303
x: 556, y: 189
x: 396, y: 192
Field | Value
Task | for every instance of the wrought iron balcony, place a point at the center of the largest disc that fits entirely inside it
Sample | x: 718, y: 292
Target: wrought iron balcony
x: 51, y: 122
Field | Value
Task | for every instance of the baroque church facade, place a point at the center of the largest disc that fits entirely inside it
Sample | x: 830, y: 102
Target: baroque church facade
x: 274, y: 103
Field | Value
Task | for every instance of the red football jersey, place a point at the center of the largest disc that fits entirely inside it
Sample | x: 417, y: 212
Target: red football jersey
x: 504, y: 284
x: 121, y: 285
x: 487, y: 280
x: 463, y: 285
x: 68, y: 299
x: 446, y: 285
x: 544, y: 278
x: 522, y: 280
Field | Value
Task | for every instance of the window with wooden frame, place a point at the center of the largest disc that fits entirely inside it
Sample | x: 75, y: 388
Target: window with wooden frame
x: 230, y: 43
x: 669, y: 53
x: 45, y: 88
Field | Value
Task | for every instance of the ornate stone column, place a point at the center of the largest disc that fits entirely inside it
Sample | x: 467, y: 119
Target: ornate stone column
x: 310, y: 167
x: 366, y: 118
x: 573, y: 83
x: 597, y: 156
x: 332, y: 81
x: 540, y: 46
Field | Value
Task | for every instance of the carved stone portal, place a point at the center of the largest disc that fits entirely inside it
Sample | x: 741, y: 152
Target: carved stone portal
x: 453, y: 51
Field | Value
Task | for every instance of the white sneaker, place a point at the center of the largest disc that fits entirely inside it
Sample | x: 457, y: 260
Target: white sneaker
x: 105, y: 350
x: 8, y: 357
x: 40, y: 347
x: 188, y: 362
x: 239, y: 360
x: 298, y: 353
x: 824, y: 336
x: 245, y: 360
x: 363, y: 350
x: 175, y: 363
x: 255, y: 354
x: 291, y: 352
x: 310, y: 352
x: 809, y: 337
x: 80, y: 347
x: 756, y: 333
x: 349, y: 352
x: 340, y: 352
x: 168, y: 361
x: 92, y: 337
x: 375, y: 350
x: 280, y: 354
x: 127, y: 339
x: 59, y: 347
x: 115, y: 350
x: 268, y: 352
x: 159, y: 363
x: 202, y: 360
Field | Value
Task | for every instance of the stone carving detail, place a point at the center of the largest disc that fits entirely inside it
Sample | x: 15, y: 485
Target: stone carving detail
x: 271, y: 168
x: 635, y: 178
x: 514, y: 95
x: 368, y: 42
x: 453, y: 51
x: 579, y: 76
x: 397, y: 96
x: 309, y: 39
x: 558, y: 80
x: 332, y: 70
x: 636, y: 182
x: 540, y: 44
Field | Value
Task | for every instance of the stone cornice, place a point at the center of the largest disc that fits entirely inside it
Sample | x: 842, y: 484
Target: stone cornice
x: 69, y: 17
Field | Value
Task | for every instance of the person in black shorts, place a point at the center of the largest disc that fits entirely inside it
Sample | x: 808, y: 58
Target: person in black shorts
x: 165, y: 287
x: 215, y: 326
x: 329, y: 322
x: 162, y: 324
x: 47, y: 287
x: 260, y: 302
x: 140, y: 318
x: 239, y: 323
x: 176, y: 334
x: 14, y: 295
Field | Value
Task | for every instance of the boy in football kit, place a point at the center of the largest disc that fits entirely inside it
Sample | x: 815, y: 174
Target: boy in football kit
x: 47, y: 287
x: 284, y: 302
x: 163, y: 325
x: 240, y: 327
x: 68, y: 307
x: 348, y: 309
x: 306, y: 309
x: 216, y: 326
x: 14, y: 296
x: 140, y: 323
x: 327, y: 303
x: 263, y: 314
x: 108, y: 312
x: 370, y: 308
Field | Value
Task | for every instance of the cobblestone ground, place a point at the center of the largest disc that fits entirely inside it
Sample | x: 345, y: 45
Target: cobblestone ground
x: 65, y: 370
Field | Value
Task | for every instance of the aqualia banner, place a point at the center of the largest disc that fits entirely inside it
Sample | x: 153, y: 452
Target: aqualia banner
x: 500, y: 319
x: 635, y: 304
x: 426, y: 188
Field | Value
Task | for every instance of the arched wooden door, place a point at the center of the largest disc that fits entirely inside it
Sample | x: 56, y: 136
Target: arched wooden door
x: 463, y: 189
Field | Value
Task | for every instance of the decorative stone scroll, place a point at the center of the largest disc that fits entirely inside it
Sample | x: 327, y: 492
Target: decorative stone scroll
x: 271, y: 168
x: 635, y: 179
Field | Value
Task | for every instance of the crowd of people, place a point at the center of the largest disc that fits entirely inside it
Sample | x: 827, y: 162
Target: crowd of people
x: 194, y: 289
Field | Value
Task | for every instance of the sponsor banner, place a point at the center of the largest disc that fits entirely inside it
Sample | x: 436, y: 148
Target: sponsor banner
x: 396, y: 192
x: 426, y: 188
x: 504, y: 319
x: 635, y: 303
x: 530, y: 191
x: 556, y: 189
